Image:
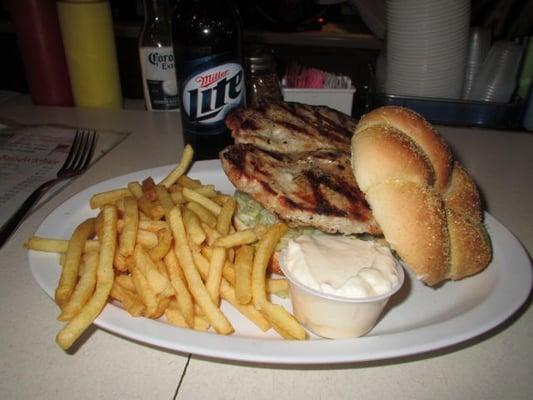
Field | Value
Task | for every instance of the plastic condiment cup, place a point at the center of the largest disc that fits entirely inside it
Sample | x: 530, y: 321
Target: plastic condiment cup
x: 337, y: 317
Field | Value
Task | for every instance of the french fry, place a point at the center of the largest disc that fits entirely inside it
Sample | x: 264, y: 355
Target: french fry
x: 185, y: 181
x: 203, y: 213
x: 147, y: 239
x: 215, y: 316
x: 157, y: 211
x: 164, y: 198
x: 244, y: 257
x: 148, y: 188
x: 202, y: 263
x: 152, y: 226
x: 212, y: 233
x: 214, y: 276
x: 157, y: 282
x: 193, y: 227
x: 99, y: 225
x: 205, y: 202
x: 57, y: 245
x: 162, y: 268
x: 145, y: 205
x: 207, y: 252
x: 225, y: 216
x: 220, y: 199
x: 180, y: 169
x: 104, y: 281
x: 119, y: 262
x: 249, y: 311
x: 176, y: 187
x: 164, y: 244
x: 228, y: 272
x: 207, y: 191
x: 265, y: 249
x: 84, y: 288
x: 176, y: 318
x: 129, y: 300
x: 282, y: 320
x: 69, y: 273
x: 183, y: 296
x: 161, y: 307
x: 120, y: 205
x: 128, y: 237
x: 239, y: 238
x: 178, y: 198
x: 145, y: 225
x: 279, y: 287
x: 282, y: 332
x: 98, y: 200
x: 135, y: 189
x: 146, y: 294
x: 48, y: 245
x: 126, y: 282
x: 130, y: 263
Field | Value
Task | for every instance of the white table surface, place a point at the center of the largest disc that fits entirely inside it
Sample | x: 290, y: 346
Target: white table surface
x: 497, y: 365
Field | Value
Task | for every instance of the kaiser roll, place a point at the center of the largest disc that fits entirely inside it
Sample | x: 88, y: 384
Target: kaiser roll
x: 425, y: 202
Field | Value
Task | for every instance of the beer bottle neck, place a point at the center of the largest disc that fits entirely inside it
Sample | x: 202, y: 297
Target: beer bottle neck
x: 156, y: 31
x: 156, y: 11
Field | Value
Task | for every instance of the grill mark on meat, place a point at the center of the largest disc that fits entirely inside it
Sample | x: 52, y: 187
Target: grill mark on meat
x: 326, y: 126
x: 291, y: 126
x: 267, y: 187
x: 290, y: 203
x: 339, y: 128
x: 323, y: 206
x: 236, y: 157
x: 336, y: 184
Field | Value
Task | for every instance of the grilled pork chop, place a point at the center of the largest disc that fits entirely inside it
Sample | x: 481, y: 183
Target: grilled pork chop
x: 289, y: 127
x: 313, y: 188
x: 294, y: 159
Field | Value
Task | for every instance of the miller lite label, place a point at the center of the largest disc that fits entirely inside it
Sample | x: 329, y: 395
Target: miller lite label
x: 210, y: 87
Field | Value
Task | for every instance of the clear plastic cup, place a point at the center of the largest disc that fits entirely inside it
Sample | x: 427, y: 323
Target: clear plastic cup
x: 336, y: 317
x: 478, y: 48
x: 497, y: 77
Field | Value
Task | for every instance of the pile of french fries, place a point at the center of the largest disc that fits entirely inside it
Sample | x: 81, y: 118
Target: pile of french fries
x: 168, y: 250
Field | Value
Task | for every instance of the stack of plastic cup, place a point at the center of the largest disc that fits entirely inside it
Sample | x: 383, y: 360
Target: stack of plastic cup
x: 426, y: 47
x: 478, y: 48
x: 497, y: 77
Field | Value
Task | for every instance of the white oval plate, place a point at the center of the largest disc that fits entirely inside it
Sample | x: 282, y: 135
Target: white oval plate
x: 419, y: 319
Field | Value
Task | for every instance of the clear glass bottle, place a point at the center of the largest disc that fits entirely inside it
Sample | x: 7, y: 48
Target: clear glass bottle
x: 262, y: 81
x: 157, y: 58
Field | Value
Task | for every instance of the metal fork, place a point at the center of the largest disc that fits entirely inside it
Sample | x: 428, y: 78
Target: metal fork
x: 77, y: 161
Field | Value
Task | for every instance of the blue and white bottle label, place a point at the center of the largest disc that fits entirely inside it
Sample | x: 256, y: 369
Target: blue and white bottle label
x: 211, y: 86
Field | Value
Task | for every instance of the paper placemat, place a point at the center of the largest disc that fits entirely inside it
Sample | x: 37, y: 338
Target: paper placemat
x: 33, y: 154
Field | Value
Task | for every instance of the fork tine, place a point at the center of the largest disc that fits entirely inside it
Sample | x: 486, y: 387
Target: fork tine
x: 81, y: 151
x: 89, y: 150
x: 73, y: 150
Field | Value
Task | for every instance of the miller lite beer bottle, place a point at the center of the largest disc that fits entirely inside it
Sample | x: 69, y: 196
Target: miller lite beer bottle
x: 207, y: 37
x: 157, y: 58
